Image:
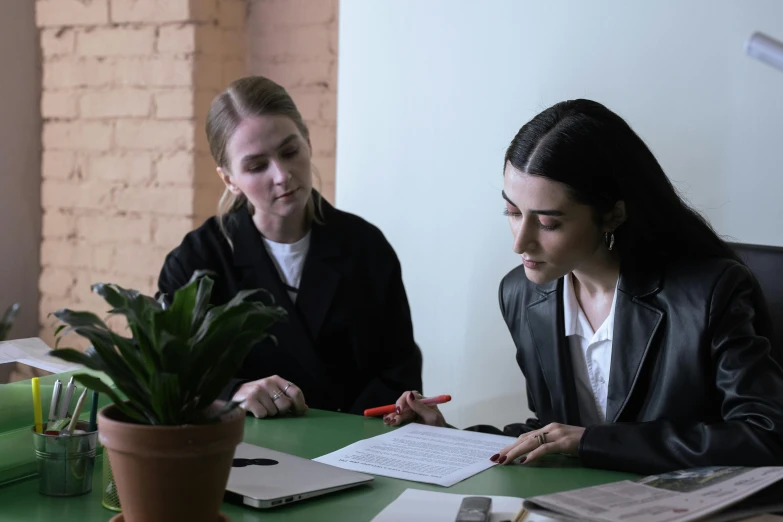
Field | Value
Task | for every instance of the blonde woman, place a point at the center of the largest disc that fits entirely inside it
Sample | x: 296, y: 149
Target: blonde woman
x: 348, y: 344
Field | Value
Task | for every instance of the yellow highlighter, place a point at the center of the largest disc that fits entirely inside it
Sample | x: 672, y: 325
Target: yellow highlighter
x: 37, y: 405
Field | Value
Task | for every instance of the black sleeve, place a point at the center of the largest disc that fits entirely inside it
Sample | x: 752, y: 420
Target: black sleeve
x: 518, y: 428
x: 173, y: 275
x: 400, y: 358
x: 747, y: 378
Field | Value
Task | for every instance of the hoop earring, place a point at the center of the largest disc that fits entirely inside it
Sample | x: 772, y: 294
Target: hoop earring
x: 609, y: 240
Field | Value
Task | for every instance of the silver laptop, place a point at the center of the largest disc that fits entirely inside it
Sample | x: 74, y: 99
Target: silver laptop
x: 265, y: 478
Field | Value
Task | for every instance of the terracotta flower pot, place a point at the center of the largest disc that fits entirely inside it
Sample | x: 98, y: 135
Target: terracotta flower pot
x: 170, y: 472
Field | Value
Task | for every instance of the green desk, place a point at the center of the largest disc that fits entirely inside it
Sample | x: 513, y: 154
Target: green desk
x: 317, y: 433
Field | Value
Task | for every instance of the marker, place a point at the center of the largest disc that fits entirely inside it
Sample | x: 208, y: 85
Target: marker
x: 37, y: 413
x: 66, y: 402
x: 391, y: 408
x: 93, y: 413
x: 55, y: 400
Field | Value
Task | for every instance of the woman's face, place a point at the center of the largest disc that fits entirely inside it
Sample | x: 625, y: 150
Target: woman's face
x: 553, y: 234
x: 270, y: 164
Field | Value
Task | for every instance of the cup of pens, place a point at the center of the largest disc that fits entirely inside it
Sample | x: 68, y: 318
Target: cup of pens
x: 65, y: 446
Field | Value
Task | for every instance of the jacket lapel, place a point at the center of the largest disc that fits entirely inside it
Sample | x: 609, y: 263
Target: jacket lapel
x: 635, y: 325
x: 320, y: 277
x: 553, y: 355
x: 258, y: 271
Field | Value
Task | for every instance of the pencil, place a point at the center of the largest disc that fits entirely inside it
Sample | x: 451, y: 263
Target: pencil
x: 76, y: 412
x: 37, y: 413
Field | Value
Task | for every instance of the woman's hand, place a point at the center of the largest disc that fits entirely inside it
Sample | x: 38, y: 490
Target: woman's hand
x: 553, y: 438
x: 271, y: 396
x: 411, y: 409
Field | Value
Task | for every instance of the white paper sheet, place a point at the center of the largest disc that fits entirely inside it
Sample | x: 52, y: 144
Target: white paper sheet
x: 421, y: 453
x: 415, y: 505
x: 33, y: 352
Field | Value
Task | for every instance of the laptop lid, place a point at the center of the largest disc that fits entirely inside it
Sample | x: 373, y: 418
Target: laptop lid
x: 264, y: 478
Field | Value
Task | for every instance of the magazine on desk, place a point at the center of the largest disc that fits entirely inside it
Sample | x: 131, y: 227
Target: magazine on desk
x: 716, y: 493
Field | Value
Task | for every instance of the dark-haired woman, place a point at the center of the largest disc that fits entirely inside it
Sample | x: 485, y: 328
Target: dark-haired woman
x: 644, y: 340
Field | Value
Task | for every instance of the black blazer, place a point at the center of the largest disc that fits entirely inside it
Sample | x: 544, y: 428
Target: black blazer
x: 348, y: 342
x: 693, y: 380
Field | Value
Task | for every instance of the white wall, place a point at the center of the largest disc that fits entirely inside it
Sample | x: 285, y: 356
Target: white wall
x: 430, y: 94
x: 20, y: 163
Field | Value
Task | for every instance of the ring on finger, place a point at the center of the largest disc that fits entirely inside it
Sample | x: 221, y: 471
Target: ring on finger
x: 276, y: 395
x: 286, y: 388
x: 541, y: 438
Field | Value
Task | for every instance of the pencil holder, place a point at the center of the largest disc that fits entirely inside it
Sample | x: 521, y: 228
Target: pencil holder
x: 109, y: 497
x: 65, y: 463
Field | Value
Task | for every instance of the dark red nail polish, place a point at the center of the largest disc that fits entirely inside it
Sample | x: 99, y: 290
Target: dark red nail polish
x: 502, y: 459
x: 495, y: 457
x: 522, y: 460
x: 399, y: 412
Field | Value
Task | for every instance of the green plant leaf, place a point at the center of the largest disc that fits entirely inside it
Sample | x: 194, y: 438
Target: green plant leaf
x: 179, y: 357
x: 94, y: 383
x: 202, y: 305
x: 136, y: 391
x: 227, y: 366
x: 166, y: 398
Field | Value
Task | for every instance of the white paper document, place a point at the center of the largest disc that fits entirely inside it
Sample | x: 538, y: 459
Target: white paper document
x: 415, y: 505
x: 421, y: 453
x: 33, y: 352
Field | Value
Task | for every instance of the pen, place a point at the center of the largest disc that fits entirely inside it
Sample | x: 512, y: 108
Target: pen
x: 37, y: 414
x: 66, y: 402
x: 93, y: 412
x: 55, y: 400
x: 76, y: 411
x: 391, y: 408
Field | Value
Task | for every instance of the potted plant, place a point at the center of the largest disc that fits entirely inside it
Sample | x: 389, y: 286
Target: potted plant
x: 170, y: 442
x: 8, y: 320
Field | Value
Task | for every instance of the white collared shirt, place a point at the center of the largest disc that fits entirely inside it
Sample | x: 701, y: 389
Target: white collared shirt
x: 591, y: 355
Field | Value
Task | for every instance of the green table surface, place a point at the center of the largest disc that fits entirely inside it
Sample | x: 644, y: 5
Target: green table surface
x: 315, y: 434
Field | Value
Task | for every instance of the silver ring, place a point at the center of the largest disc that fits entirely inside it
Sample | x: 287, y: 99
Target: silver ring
x: 276, y: 395
x: 541, y: 437
x: 286, y: 388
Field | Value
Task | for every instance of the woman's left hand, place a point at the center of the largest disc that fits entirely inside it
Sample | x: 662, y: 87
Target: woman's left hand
x: 556, y: 438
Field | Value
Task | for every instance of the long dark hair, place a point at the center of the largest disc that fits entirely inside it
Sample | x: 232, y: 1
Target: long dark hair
x: 600, y: 158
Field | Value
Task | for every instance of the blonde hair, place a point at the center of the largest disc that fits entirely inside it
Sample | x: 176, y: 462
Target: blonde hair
x: 247, y: 97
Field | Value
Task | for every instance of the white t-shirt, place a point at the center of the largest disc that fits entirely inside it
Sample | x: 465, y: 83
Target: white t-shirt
x: 289, y: 259
x: 591, y: 355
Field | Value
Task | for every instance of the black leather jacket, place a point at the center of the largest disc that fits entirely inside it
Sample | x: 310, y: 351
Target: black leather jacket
x: 693, y: 380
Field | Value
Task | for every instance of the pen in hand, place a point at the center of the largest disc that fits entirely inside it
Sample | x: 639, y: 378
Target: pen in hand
x: 391, y: 408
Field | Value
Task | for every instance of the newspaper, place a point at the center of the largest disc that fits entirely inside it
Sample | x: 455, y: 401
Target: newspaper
x: 680, y: 496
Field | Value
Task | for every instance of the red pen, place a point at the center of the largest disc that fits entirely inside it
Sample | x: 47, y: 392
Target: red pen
x: 391, y: 408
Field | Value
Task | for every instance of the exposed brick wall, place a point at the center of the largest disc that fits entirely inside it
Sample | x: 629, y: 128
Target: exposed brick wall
x: 294, y: 42
x: 126, y: 170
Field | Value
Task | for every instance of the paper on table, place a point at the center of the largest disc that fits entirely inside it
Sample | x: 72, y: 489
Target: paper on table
x: 416, y: 505
x: 421, y: 453
x: 18, y: 354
